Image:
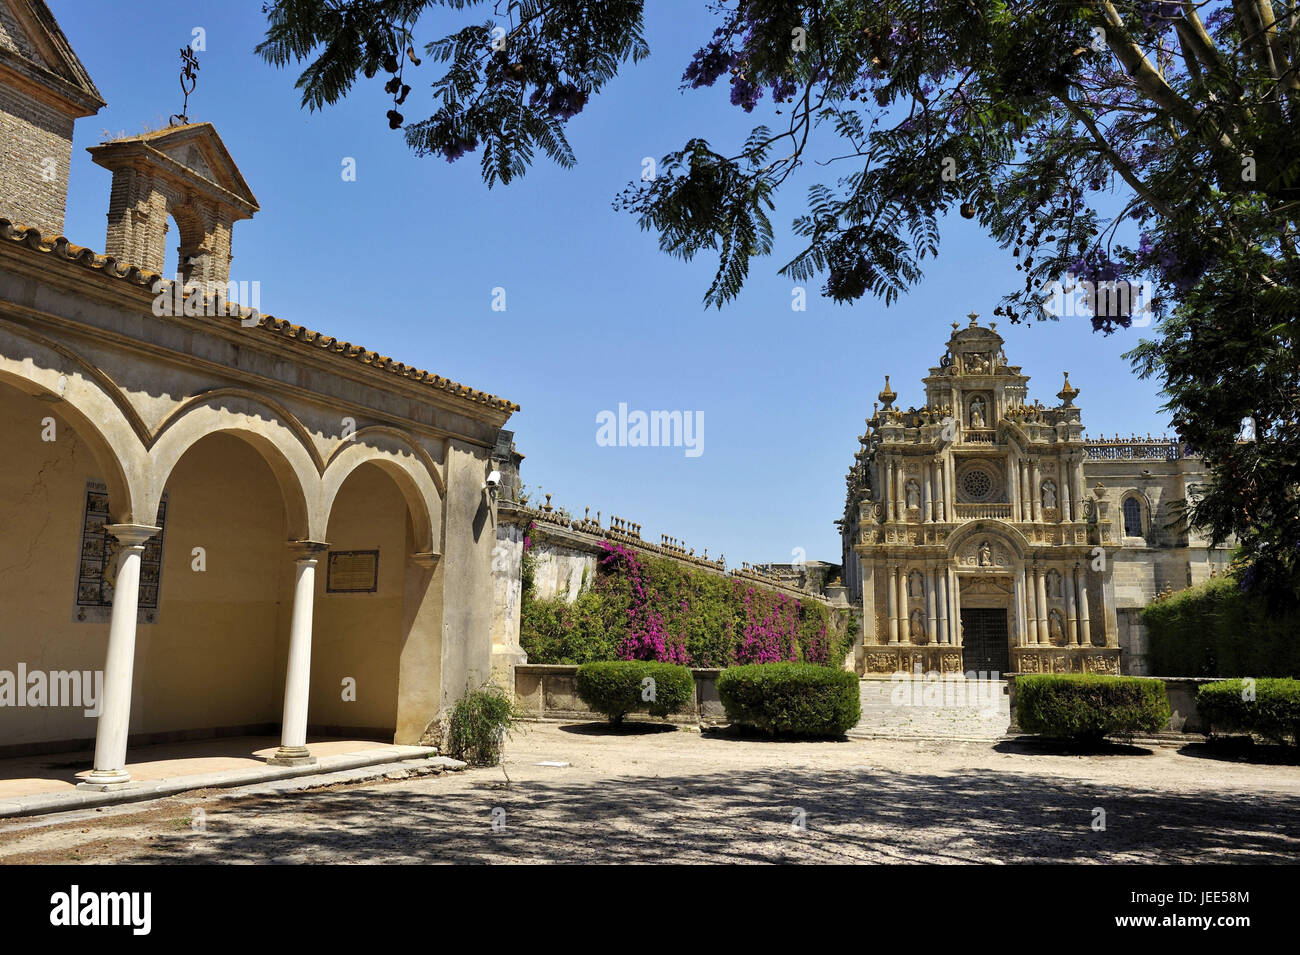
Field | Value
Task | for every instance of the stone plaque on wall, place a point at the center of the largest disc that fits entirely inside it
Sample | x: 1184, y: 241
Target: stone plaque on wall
x: 352, y: 572
x: 97, y: 563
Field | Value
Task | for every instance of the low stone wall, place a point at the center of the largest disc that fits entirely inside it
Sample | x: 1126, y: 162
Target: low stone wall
x: 1183, y: 717
x: 548, y: 691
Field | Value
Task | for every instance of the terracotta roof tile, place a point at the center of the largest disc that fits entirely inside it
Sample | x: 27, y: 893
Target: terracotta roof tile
x: 61, y: 248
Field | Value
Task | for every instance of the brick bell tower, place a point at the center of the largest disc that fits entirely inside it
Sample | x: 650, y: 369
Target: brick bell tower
x: 184, y: 172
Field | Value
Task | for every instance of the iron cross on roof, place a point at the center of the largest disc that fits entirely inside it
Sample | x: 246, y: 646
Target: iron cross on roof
x: 189, y: 79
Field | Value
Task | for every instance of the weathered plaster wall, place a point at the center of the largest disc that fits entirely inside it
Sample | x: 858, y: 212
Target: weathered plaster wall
x: 41, y: 489
x: 210, y: 660
x: 360, y: 635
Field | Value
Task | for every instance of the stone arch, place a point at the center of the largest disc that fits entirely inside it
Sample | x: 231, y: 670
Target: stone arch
x: 408, y: 464
x: 89, y: 401
x: 1016, y: 542
x: 269, y: 429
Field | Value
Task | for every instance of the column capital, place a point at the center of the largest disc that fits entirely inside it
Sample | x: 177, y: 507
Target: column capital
x: 307, y: 549
x: 427, y: 559
x: 132, y: 535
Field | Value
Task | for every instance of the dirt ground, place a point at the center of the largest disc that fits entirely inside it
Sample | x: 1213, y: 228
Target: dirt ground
x: 659, y: 794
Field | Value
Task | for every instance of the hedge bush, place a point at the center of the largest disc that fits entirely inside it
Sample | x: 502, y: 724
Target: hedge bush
x: 1090, y: 707
x: 1274, y: 712
x: 797, y: 699
x: 1213, y: 629
x: 618, y: 687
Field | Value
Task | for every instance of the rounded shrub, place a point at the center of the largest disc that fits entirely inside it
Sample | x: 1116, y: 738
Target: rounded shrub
x: 618, y: 687
x: 1270, y: 708
x: 795, y: 699
x: 1090, y: 707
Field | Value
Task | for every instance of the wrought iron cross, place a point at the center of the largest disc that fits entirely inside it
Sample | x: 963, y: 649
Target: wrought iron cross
x: 189, y: 79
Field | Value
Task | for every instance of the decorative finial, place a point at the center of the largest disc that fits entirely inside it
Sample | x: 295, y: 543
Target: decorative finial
x: 973, y: 316
x: 1067, y: 394
x: 189, y: 79
x: 888, y: 395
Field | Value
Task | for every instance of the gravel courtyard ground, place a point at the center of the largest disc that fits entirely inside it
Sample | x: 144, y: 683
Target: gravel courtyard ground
x: 659, y: 794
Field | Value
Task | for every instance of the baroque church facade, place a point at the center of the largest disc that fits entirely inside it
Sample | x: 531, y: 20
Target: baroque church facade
x: 982, y: 532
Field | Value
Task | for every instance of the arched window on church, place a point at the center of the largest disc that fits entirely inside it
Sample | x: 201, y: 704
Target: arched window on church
x: 1132, y: 518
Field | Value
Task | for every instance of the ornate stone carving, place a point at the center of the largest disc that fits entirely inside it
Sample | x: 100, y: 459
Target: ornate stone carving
x: 984, y: 552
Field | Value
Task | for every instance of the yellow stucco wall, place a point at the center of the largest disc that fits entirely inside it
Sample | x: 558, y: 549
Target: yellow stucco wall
x: 41, y: 496
x: 359, y: 635
x: 211, y: 660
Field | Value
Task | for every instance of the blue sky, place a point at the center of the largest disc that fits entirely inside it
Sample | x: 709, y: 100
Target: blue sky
x: 404, y: 260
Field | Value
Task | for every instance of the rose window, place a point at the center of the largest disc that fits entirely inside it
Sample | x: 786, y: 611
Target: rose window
x: 977, y: 485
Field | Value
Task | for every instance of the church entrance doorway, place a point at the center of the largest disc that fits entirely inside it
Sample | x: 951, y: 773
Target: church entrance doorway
x: 984, y: 640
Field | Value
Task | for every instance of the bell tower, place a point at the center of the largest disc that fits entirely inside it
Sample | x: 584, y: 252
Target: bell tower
x: 184, y: 172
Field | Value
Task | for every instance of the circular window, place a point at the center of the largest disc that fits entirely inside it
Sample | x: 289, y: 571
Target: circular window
x: 977, y: 485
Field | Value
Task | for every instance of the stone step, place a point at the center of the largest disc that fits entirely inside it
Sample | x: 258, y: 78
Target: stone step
x: 932, y: 709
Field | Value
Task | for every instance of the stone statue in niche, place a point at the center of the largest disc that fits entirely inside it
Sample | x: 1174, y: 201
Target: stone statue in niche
x: 1049, y: 494
x: 915, y: 586
x: 977, y: 413
x: 1053, y: 584
x: 985, y: 555
x: 913, y: 494
x: 917, y: 628
x: 1055, y: 631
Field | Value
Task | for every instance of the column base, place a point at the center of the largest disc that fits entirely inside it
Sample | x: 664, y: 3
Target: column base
x: 291, y: 756
x: 108, y: 780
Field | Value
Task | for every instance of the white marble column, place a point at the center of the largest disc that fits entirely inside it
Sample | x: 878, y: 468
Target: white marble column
x: 1040, y: 582
x: 887, y: 488
x: 891, y: 602
x: 931, y: 606
x: 900, y: 489
x: 1019, y: 601
x: 1013, y: 485
x: 297, y: 681
x: 1026, y: 508
x: 119, y: 663
x: 1064, y: 495
x: 1071, y: 608
x: 941, y: 512
x: 927, y: 502
x: 941, y: 576
x: 1037, y: 493
x: 869, y: 623
x: 904, y: 606
x: 1085, y: 625
x: 954, y: 604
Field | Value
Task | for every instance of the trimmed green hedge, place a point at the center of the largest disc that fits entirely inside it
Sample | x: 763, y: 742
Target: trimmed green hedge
x: 1090, y: 707
x: 798, y: 699
x: 617, y: 687
x: 1213, y: 629
x: 1274, y: 712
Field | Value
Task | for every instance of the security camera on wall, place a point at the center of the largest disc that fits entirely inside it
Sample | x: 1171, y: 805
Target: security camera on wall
x: 493, y: 480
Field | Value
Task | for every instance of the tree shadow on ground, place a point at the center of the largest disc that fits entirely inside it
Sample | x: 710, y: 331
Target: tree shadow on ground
x: 605, y: 728
x: 744, y: 816
x: 752, y: 734
x: 1243, y: 749
x: 1043, y: 746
